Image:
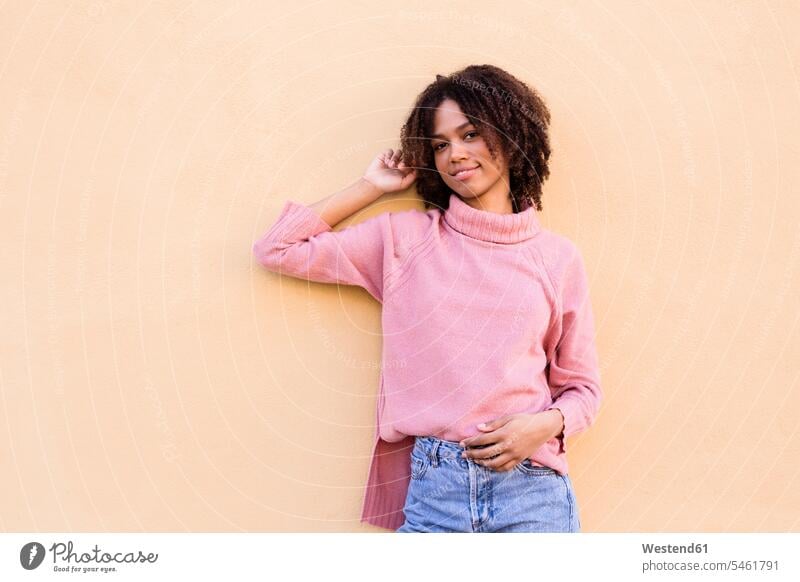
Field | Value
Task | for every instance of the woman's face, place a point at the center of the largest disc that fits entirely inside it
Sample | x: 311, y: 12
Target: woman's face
x: 457, y: 145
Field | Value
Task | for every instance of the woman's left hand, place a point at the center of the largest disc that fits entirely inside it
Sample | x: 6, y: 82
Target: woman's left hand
x: 511, y: 439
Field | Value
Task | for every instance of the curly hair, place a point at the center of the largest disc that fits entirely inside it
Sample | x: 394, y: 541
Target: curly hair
x: 512, y: 116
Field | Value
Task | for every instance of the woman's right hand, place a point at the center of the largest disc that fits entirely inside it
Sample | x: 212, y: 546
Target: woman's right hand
x: 388, y: 173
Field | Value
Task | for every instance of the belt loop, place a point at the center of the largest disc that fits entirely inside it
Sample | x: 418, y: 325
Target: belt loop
x: 433, y: 454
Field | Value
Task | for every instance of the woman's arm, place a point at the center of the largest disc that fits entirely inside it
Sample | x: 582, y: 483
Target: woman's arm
x: 573, y: 372
x: 340, y: 205
x: 386, y: 173
x: 302, y: 244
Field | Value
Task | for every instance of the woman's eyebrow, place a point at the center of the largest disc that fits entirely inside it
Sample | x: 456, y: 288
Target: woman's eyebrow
x: 462, y: 126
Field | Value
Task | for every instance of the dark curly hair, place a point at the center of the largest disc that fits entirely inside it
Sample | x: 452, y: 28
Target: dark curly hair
x: 512, y: 116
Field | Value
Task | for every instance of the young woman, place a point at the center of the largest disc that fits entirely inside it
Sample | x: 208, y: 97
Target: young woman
x: 489, y: 360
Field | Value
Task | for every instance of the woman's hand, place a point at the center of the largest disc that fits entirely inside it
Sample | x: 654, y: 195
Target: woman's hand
x: 388, y: 173
x: 511, y: 439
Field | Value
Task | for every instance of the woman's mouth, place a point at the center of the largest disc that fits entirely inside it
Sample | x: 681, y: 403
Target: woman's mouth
x: 466, y: 174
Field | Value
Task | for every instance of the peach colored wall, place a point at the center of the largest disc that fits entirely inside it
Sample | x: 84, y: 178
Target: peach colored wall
x: 153, y: 377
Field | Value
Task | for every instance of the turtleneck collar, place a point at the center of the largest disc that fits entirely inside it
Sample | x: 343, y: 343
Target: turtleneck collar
x: 491, y: 226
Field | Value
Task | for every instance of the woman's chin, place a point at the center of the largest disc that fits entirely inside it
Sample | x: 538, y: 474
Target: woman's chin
x: 475, y: 194
x: 466, y: 192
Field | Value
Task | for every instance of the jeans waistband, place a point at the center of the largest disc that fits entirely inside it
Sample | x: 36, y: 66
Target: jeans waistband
x: 436, y: 448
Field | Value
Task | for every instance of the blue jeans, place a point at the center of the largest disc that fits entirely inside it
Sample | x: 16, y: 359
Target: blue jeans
x: 448, y: 493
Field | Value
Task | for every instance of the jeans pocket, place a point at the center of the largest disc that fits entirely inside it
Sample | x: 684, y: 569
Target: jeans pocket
x: 527, y: 468
x: 419, y: 464
x: 574, y: 519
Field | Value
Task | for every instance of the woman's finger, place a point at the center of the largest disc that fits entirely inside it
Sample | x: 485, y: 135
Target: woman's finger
x: 496, y: 462
x: 492, y: 449
x: 479, y: 439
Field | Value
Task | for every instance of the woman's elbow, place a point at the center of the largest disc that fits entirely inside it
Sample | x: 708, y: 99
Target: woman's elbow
x: 268, y: 254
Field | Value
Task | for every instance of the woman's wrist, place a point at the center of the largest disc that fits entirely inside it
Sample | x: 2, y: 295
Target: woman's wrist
x: 372, y: 188
x: 558, y: 421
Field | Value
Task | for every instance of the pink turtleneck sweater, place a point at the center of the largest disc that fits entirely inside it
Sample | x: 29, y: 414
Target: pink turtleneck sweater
x: 484, y: 315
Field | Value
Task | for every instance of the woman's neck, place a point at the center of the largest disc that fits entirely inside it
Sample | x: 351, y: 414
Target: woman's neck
x: 497, y: 202
x: 498, y: 227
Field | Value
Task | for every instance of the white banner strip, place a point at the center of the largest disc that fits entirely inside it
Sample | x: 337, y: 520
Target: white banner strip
x: 388, y: 556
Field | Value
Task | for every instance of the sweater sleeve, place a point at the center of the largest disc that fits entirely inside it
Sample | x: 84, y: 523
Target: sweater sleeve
x: 574, y: 376
x: 302, y: 245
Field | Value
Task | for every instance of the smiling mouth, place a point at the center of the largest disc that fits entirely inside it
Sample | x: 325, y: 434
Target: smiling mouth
x: 463, y: 170
x: 465, y: 173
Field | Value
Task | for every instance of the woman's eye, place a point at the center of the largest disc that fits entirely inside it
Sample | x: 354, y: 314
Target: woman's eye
x: 438, y: 146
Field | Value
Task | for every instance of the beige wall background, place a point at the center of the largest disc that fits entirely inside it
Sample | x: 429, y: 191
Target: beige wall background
x: 154, y: 378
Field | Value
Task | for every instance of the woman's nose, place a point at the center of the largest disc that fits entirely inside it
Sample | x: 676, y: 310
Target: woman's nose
x: 457, y: 152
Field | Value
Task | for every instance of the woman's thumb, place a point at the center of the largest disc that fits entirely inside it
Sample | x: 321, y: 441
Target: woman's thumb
x: 494, y: 423
x: 408, y: 179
